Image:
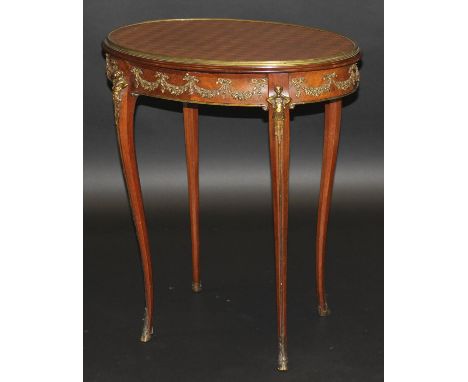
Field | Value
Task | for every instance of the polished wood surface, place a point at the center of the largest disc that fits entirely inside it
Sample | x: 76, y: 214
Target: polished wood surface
x: 236, y: 63
x: 331, y: 139
x: 191, y: 153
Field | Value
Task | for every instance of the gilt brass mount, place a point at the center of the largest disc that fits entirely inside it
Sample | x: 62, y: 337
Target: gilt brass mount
x: 329, y: 82
x: 279, y: 102
x: 191, y: 86
x: 119, y: 83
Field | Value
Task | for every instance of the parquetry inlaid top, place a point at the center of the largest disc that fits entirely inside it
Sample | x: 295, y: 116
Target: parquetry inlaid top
x: 228, y: 42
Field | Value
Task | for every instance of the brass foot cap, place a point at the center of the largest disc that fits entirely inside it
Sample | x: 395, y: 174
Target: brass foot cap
x: 324, y: 311
x: 283, y: 366
x: 196, y: 287
x: 146, y: 335
x: 282, y: 354
x: 147, y: 330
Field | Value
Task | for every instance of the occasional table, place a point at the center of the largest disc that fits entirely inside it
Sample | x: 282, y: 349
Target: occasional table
x: 229, y: 62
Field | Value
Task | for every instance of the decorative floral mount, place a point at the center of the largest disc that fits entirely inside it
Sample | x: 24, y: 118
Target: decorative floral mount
x: 191, y: 86
x: 351, y: 82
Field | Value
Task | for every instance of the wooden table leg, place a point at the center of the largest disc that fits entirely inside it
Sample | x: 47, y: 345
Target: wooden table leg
x: 279, y: 158
x: 124, y: 115
x: 191, y: 150
x: 330, y: 151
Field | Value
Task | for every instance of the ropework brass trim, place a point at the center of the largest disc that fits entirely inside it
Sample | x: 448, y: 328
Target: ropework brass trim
x: 191, y: 86
x: 186, y: 60
x: 316, y: 91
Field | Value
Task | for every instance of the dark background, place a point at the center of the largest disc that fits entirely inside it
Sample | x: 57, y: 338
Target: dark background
x: 228, y: 332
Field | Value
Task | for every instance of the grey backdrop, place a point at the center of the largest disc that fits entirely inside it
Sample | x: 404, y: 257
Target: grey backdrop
x: 199, y: 338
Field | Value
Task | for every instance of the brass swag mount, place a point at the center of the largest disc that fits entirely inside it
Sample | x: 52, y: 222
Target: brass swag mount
x: 191, y: 86
x: 278, y: 101
x: 351, y: 82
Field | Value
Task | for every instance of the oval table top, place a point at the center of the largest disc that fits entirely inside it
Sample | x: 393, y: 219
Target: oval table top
x: 231, y: 62
x: 246, y: 45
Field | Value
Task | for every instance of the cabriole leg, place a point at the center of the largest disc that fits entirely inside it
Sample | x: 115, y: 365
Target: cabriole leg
x: 124, y: 108
x: 191, y: 150
x: 330, y: 151
x: 279, y: 158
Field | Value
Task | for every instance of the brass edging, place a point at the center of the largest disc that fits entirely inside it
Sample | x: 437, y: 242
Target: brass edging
x: 262, y: 105
x: 293, y: 103
x: 135, y: 93
x: 200, y: 61
x: 180, y: 60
